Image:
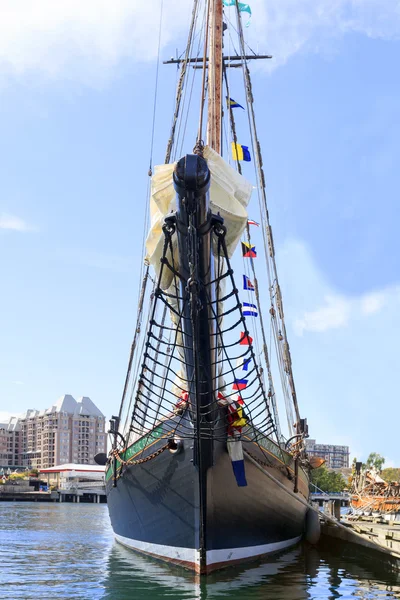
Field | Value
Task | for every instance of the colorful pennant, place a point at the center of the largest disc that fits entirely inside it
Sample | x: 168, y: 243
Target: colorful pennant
x: 243, y: 363
x: 242, y: 6
x: 246, y: 363
x: 235, y: 451
x: 245, y: 340
x: 233, y: 104
x: 249, y: 310
x: 247, y: 284
x: 251, y: 222
x: 240, y: 384
x: 240, y: 152
x: 248, y: 251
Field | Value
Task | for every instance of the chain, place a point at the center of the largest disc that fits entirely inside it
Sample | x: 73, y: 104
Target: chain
x: 138, y: 461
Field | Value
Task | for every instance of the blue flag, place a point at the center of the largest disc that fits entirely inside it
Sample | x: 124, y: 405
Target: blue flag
x: 235, y: 451
x: 240, y: 152
x: 239, y: 384
x: 249, y: 310
x: 246, y: 363
x: 247, y: 284
x: 233, y: 104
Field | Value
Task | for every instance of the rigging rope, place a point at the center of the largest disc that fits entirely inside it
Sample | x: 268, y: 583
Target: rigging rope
x: 256, y: 288
x: 135, y: 338
x: 154, y: 403
x: 156, y: 88
x: 181, y: 82
x: 167, y: 159
x: 264, y: 209
x: 194, y: 72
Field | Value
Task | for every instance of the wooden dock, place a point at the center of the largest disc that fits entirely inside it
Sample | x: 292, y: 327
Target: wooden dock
x: 88, y: 492
x: 381, y: 538
x: 16, y: 495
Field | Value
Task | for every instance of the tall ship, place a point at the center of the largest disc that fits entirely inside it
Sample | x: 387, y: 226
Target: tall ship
x: 204, y: 471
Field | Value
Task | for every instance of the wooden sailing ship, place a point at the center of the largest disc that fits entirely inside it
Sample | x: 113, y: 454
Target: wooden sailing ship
x: 199, y: 473
x: 372, y: 495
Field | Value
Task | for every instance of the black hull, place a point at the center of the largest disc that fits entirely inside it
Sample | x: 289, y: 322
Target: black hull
x: 155, y: 509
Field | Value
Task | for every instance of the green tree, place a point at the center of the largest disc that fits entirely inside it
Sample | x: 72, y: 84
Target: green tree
x: 328, y: 481
x: 375, y: 461
x: 391, y: 474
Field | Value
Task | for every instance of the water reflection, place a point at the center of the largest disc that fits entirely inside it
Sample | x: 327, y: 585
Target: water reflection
x: 302, y: 573
x: 68, y: 551
x: 131, y: 575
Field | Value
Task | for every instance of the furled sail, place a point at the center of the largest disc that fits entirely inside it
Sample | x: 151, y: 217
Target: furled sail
x: 229, y: 196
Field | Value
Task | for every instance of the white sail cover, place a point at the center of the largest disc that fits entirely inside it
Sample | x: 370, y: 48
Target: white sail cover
x: 229, y: 196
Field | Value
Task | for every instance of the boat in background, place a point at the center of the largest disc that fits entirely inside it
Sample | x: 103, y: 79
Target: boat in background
x: 372, y: 495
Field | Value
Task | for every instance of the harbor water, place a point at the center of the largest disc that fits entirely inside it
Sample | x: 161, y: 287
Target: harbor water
x: 56, y: 551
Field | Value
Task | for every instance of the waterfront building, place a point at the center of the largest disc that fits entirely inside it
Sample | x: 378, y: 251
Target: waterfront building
x: 336, y: 457
x: 10, y: 443
x: 70, y: 431
x: 77, y: 482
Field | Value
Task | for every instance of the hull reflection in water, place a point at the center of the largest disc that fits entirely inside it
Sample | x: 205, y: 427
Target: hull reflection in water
x: 304, y: 572
x: 147, y: 577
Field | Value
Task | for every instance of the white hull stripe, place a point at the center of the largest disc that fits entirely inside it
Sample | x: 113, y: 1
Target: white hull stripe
x: 192, y: 556
x: 189, y: 555
x: 223, y: 556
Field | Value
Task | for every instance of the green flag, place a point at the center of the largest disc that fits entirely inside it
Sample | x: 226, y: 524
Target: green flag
x: 242, y: 7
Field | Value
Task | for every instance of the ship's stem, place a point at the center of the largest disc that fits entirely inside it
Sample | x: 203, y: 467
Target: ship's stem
x: 193, y: 223
x: 194, y: 226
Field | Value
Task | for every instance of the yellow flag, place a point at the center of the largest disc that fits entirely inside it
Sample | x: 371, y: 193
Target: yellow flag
x: 240, y: 152
x: 237, y: 151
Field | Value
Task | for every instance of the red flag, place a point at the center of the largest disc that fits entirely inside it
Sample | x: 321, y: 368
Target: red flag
x: 245, y: 340
x: 240, y: 384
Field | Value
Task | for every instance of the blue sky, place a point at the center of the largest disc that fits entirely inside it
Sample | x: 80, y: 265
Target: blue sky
x: 76, y: 89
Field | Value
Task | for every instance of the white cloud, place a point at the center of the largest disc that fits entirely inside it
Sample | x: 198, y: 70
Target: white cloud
x: 335, y: 313
x: 290, y: 26
x: 374, y: 302
x: 86, y: 40
x: 346, y: 359
x: 13, y: 223
x: 82, y: 39
x: 315, y: 306
x: 338, y: 310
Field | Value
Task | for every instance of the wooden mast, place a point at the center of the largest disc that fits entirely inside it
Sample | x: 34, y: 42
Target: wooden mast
x: 215, y: 62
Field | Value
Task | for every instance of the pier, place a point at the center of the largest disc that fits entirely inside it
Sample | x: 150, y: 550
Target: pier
x: 65, y: 483
x: 382, y: 539
x: 83, y: 491
x: 370, y: 533
x: 342, y: 498
x: 77, y: 483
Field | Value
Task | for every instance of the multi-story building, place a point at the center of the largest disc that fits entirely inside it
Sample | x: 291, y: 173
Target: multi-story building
x: 70, y: 431
x: 336, y: 457
x: 10, y: 443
